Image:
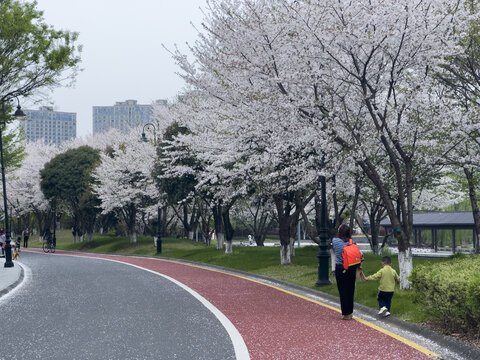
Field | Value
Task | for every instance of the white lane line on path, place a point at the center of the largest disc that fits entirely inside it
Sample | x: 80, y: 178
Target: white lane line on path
x: 239, y: 346
x: 27, y: 274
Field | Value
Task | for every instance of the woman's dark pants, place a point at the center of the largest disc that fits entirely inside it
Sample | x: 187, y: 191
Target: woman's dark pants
x: 346, y: 287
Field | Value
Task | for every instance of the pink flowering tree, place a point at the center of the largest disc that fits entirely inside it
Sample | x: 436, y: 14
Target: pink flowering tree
x: 23, y: 185
x: 378, y: 91
x: 293, y: 84
x: 124, y: 182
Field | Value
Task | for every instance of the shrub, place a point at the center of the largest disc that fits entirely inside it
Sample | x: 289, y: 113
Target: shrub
x: 473, y: 302
x: 450, y: 292
x: 386, y: 251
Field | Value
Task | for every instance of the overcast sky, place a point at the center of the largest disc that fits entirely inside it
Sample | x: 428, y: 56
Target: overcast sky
x: 122, y: 55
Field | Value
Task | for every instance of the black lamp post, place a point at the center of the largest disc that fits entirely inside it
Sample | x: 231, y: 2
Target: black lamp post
x: 159, y: 238
x: 8, y: 235
x: 323, y: 254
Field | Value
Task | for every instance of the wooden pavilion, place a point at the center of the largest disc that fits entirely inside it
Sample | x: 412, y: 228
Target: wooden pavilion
x: 435, y: 221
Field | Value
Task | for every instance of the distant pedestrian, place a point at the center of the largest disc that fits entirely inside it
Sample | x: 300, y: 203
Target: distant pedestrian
x: 16, y: 248
x: 26, y: 236
x: 3, y: 241
x: 345, y: 278
x: 388, y: 277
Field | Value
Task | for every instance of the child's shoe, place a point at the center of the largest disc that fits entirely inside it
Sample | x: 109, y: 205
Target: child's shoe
x: 382, y: 310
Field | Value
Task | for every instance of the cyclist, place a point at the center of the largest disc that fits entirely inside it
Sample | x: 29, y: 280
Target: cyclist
x: 48, y: 245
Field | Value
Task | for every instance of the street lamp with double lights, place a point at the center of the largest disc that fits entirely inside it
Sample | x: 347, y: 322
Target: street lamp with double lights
x: 144, y: 139
x: 8, y: 247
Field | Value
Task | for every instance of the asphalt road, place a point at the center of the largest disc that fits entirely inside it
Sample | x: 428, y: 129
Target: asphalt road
x: 86, y: 308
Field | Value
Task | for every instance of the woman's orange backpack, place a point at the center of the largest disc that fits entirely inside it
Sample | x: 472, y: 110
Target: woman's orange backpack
x: 351, y: 255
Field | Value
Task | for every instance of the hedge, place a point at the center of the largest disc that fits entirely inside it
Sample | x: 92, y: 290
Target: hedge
x: 450, y: 292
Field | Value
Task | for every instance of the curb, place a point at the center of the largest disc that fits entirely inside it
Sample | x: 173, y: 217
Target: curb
x: 15, y: 284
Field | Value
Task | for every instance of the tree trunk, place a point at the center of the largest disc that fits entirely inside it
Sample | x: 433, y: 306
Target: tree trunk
x: 375, y: 216
x: 284, y: 233
x: 220, y: 240
x: 292, y: 247
x: 219, y: 224
x: 133, y: 237
x: 229, y: 230
x: 354, y: 204
x: 261, y: 220
x: 190, y: 235
x: 475, y: 208
x: 406, y: 266
x: 293, y: 233
x: 402, y: 221
x: 228, y: 247
x: 260, y: 239
x: 375, y: 248
x: 130, y: 216
x: 284, y: 219
x: 285, y: 258
x: 375, y: 219
x: 283, y: 205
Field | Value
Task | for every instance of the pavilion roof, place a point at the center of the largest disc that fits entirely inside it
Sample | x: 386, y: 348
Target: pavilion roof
x: 439, y: 219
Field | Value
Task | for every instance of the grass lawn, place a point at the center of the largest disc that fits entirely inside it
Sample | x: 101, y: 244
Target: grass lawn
x: 259, y: 260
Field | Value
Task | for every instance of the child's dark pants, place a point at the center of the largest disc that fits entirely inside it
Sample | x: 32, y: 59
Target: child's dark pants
x: 385, y: 299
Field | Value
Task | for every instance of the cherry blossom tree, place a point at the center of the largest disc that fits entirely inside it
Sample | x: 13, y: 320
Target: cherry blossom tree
x: 241, y: 116
x: 461, y: 76
x: 23, y: 185
x: 187, y: 167
x: 124, y: 182
x: 292, y: 78
x: 376, y: 62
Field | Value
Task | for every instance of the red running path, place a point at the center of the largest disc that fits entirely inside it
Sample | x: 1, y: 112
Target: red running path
x: 277, y: 324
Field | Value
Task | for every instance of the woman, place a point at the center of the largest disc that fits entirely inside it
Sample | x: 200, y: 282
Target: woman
x: 345, y: 278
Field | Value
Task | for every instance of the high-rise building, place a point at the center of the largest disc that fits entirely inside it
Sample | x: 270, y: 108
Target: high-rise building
x: 122, y: 115
x: 54, y: 127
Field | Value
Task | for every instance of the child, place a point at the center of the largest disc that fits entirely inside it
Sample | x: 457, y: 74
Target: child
x: 388, y: 277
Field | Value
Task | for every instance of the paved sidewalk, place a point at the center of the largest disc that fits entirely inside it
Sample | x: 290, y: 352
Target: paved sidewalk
x: 9, y: 277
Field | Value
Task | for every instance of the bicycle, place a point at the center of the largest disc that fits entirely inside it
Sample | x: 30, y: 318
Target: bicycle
x: 48, y: 246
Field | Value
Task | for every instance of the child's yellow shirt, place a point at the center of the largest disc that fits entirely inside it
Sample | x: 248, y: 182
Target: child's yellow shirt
x: 388, y: 276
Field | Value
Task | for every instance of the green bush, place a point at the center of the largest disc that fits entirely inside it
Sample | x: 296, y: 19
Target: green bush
x: 450, y: 292
x: 473, y: 301
x: 386, y: 251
